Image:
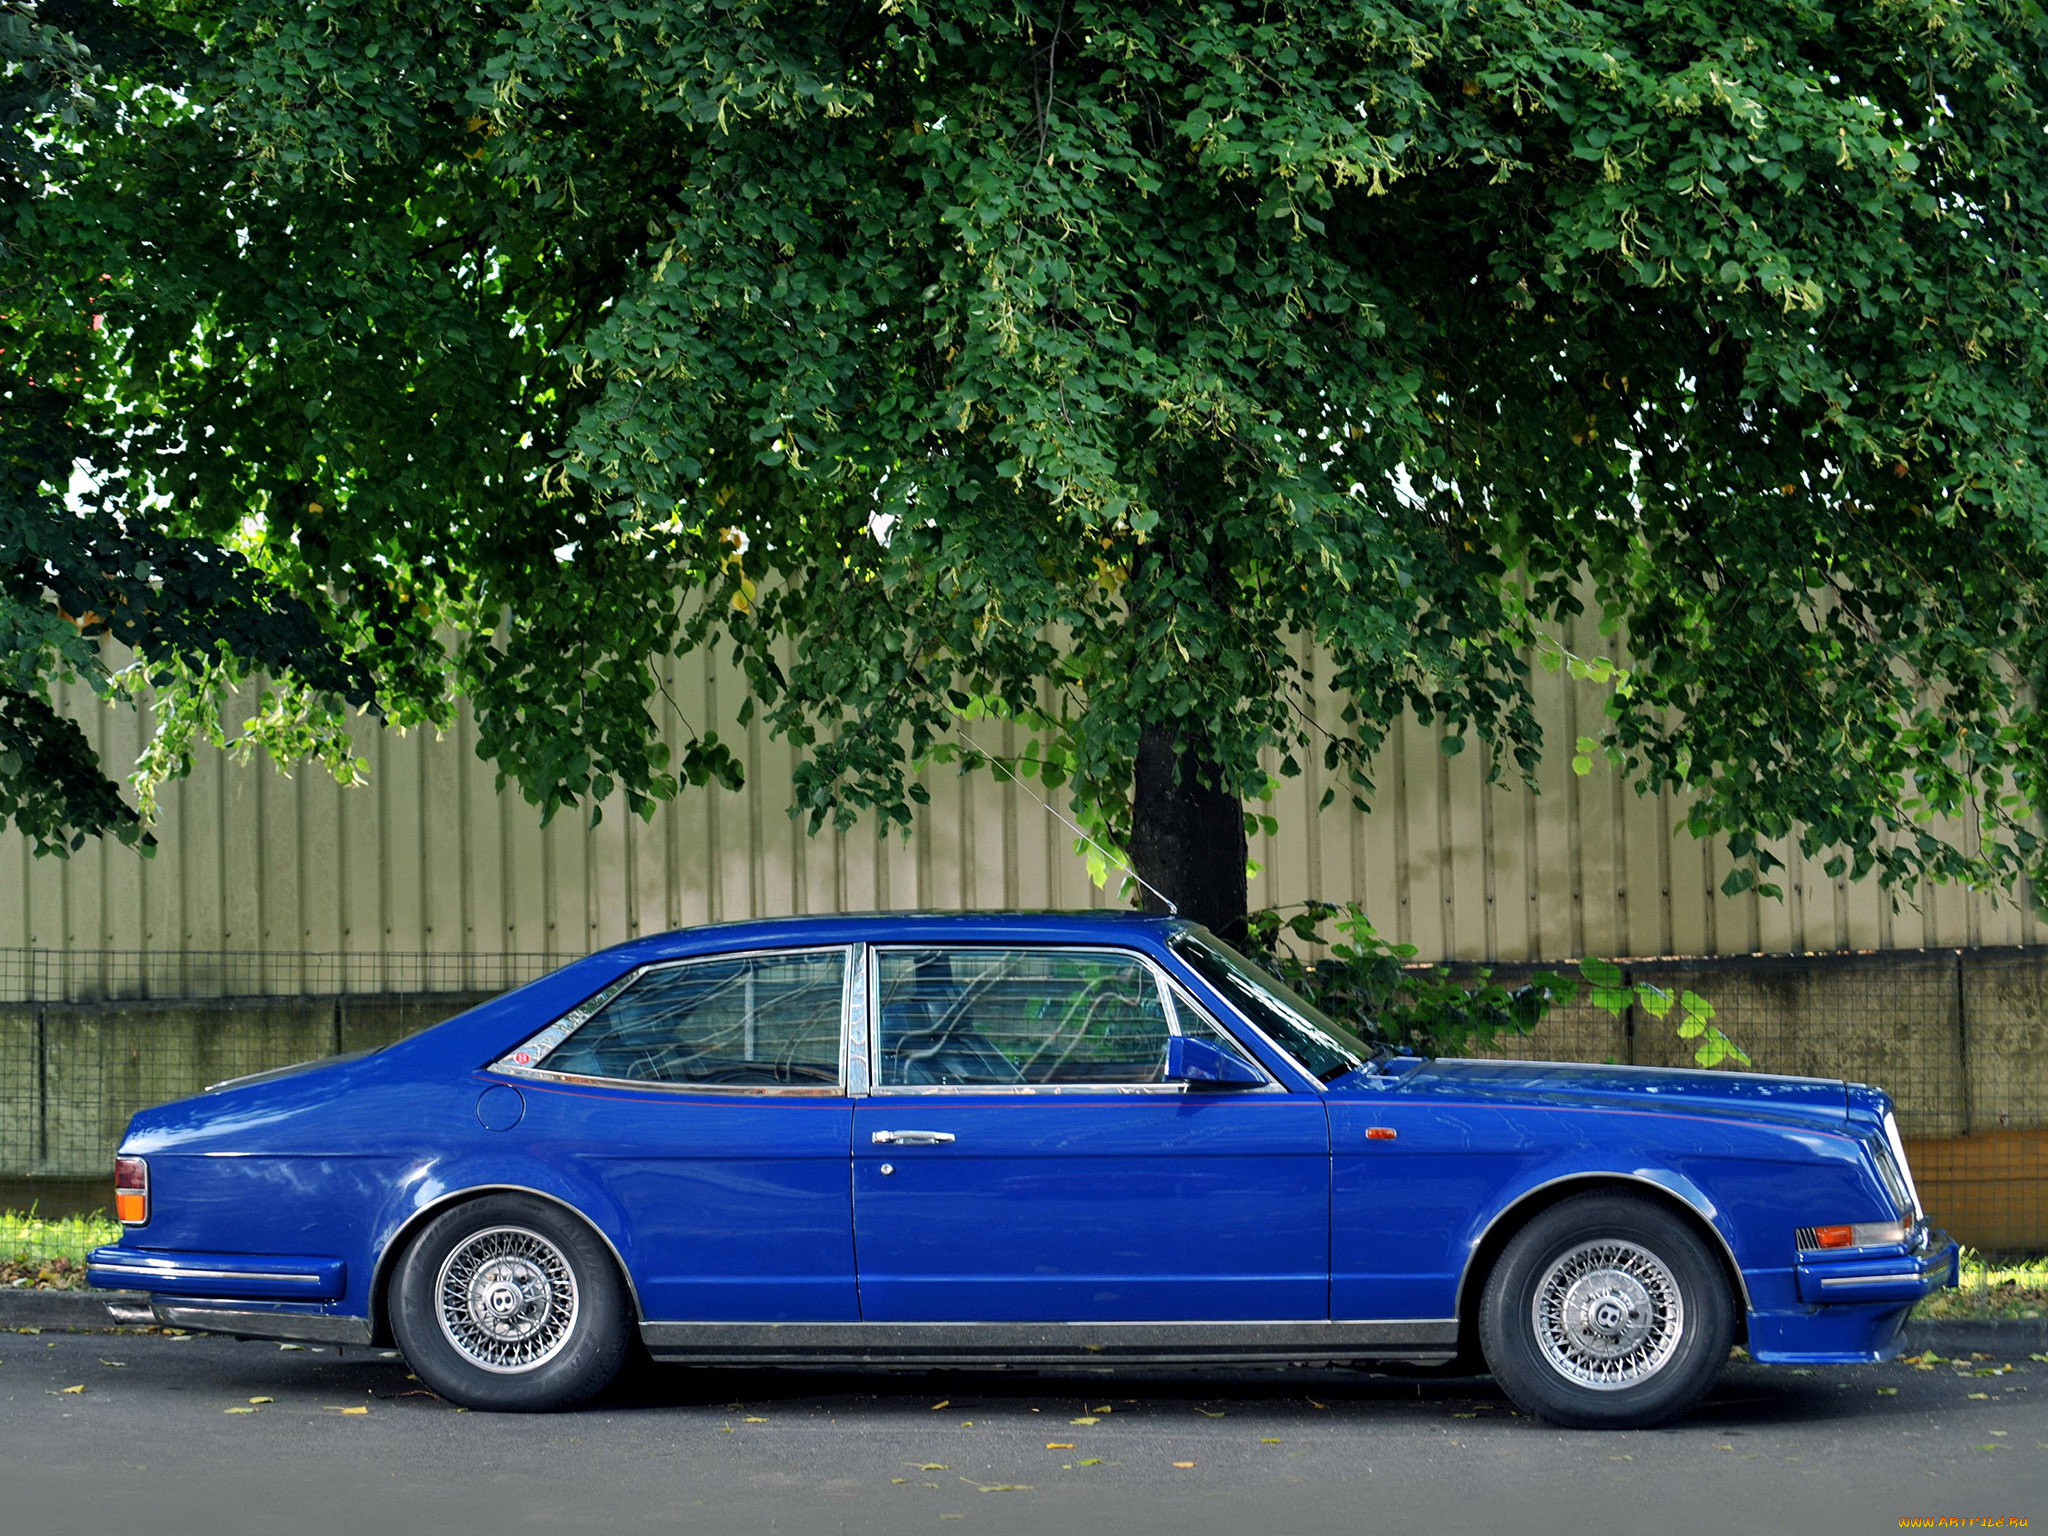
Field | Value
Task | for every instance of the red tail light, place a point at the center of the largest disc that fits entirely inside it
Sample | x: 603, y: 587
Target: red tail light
x: 131, y: 1191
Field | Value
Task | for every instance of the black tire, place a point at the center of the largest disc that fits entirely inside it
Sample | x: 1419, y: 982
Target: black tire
x: 1606, y: 1312
x: 510, y: 1303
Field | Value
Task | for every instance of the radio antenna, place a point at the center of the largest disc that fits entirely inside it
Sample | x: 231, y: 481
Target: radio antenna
x: 1108, y: 855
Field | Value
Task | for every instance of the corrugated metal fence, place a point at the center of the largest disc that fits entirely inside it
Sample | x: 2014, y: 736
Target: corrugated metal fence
x: 429, y: 858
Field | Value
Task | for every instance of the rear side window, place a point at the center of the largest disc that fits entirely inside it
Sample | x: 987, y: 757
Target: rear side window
x: 738, y: 1021
x: 1016, y: 1018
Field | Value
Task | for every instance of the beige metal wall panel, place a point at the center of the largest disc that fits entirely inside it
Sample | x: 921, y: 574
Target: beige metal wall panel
x: 430, y: 868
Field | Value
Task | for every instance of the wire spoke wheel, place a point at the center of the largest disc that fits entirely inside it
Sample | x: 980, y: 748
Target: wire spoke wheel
x: 506, y: 1299
x: 1607, y: 1310
x: 1608, y: 1314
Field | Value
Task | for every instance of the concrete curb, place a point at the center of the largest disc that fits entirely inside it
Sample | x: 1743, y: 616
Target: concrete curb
x: 2009, y: 1338
x: 75, y: 1310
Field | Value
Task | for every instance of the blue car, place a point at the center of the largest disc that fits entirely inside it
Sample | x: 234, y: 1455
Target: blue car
x: 921, y: 1139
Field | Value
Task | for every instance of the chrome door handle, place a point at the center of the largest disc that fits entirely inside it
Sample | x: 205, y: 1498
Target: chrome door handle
x: 912, y: 1138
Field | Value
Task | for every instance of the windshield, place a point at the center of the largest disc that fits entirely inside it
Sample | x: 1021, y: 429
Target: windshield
x: 1304, y: 1031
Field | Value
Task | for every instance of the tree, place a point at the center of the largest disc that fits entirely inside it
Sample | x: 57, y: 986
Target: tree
x: 1073, y: 363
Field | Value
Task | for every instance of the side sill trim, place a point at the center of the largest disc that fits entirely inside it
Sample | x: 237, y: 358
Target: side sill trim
x: 265, y: 1325
x: 1027, y: 1343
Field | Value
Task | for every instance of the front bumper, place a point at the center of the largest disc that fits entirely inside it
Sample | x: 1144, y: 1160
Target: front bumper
x: 1854, y: 1306
x: 1892, y: 1277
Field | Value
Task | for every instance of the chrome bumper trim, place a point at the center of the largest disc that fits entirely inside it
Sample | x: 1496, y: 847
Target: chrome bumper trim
x: 1899, y: 1277
x: 320, y: 1328
x: 1051, y: 1343
x: 177, y: 1275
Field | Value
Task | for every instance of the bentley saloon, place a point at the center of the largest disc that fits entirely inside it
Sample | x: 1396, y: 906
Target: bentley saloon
x: 922, y: 1139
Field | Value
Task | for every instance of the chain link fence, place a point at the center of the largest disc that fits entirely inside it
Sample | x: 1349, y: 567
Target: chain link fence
x: 1959, y: 1038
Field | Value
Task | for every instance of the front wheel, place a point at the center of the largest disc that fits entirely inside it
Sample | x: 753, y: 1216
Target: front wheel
x: 510, y: 1303
x: 1606, y: 1312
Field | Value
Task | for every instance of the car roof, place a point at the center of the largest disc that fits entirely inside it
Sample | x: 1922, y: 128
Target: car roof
x: 1082, y: 927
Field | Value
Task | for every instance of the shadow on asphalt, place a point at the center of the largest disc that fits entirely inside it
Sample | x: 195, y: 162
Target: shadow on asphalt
x: 1748, y: 1397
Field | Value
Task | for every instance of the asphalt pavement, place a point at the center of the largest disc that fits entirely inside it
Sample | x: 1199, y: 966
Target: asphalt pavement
x: 150, y: 1433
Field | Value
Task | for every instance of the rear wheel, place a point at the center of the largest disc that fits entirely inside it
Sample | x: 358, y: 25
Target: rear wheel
x: 510, y: 1303
x: 1606, y: 1312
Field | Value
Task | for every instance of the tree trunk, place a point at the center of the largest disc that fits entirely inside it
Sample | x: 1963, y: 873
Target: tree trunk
x: 1187, y: 836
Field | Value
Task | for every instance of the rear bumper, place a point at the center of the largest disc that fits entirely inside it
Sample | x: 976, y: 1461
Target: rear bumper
x: 1855, y: 1308
x: 218, y: 1276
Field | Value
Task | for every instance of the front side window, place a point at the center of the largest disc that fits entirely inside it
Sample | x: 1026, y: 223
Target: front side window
x: 1016, y: 1018
x: 738, y: 1021
x: 1296, y: 1025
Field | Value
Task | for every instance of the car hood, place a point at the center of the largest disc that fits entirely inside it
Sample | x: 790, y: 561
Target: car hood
x: 1749, y: 1095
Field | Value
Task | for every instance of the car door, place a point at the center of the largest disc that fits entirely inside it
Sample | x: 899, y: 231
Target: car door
x: 1022, y: 1159
x: 706, y: 1100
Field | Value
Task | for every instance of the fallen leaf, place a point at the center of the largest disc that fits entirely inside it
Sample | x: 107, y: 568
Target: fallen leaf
x: 1105, y: 1408
x: 1205, y: 1413
x: 262, y: 1399
x: 1887, y: 1391
x: 74, y: 1391
x: 933, y: 1466
x: 1621, y: 1458
x: 238, y: 1410
x: 116, y: 1364
x: 2043, y: 1357
x: 28, y: 1330
x: 1269, y: 1440
x: 1980, y: 1397
x: 1089, y: 1461
x: 756, y: 1419
x: 2000, y: 1432
x: 725, y: 1429
x: 1183, y: 1463
x: 944, y: 1402
x: 1994, y: 1446
x: 1084, y: 1421
x: 1059, y: 1445
x: 1980, y: 1357
x: 1464, y: 1415
x: 899, y: 1479
x: 1314, y: 1404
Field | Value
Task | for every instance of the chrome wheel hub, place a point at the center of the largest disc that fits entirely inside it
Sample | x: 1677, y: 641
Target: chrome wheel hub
x: 1608, y: 1314
x: 506, y: 1299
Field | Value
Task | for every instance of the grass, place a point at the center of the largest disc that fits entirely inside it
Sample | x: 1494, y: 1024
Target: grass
x: 49, y: 1251
x: 1993, y: 1288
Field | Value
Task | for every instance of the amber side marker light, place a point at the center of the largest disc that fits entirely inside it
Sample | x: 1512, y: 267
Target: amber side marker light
x: 1864, y: 1234
x: 131, y: 1191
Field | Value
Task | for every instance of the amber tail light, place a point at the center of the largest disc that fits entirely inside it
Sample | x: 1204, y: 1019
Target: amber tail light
x: 131, y: 1191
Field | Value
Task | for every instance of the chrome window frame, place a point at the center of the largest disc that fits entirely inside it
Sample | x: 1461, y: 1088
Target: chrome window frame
x: 543, y: 1043
x: 1162, y: 983
x: 1247, y: 1025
